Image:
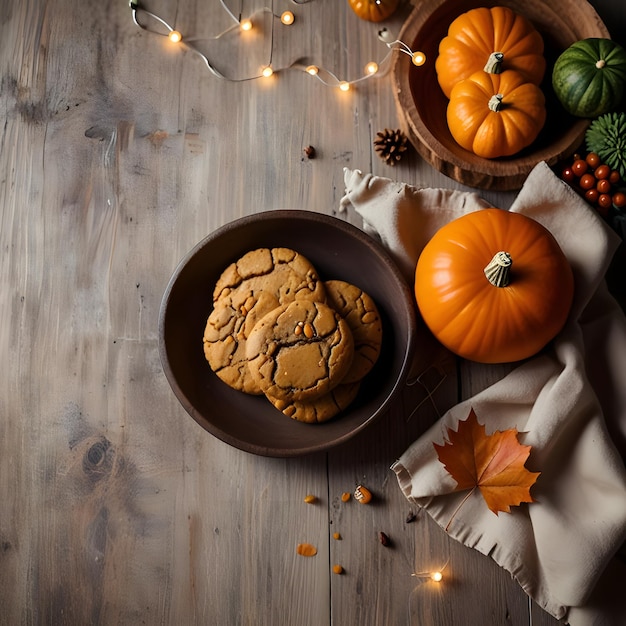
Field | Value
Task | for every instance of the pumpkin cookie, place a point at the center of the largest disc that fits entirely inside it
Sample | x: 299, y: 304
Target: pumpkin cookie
x: 320, y: 409
x: 225, y: 336
x: 260, y: 281
x: 281, y: 272
x: 300, y: 351
x: 361, y: 314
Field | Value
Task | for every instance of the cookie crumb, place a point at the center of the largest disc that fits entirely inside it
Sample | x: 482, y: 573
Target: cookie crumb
x: 306, y: 549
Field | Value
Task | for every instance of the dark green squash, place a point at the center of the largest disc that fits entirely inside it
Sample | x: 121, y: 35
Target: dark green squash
x: 589, y: 77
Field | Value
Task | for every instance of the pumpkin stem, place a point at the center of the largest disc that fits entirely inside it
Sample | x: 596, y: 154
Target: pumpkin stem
x: 499, y: 269
x: 494, y: 63
x: 495, y: 102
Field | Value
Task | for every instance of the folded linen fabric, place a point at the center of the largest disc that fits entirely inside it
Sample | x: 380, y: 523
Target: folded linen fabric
x: 568, y: 402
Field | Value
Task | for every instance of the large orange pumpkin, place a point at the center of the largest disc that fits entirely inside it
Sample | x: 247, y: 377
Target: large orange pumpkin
x: 494, y: 286
x: 495, y: 115
x: 374, y: 10
x: 492, y: 39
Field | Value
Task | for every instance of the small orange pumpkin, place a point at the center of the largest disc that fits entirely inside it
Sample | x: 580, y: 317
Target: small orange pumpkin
x: 491, y: 39
x: 494, y: 286
x: 374, y: 10
x: 495, y: 115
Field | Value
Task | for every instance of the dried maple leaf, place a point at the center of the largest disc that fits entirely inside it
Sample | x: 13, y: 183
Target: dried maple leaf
x: 492, y: 463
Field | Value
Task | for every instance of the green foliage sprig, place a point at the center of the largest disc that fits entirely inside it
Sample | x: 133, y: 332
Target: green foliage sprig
x: 606, y: 136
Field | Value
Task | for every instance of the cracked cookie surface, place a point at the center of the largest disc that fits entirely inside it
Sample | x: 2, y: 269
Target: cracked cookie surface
x: 300, y: 351
x: 258, y: 282
x: 319, y: 409
x: 360, y: 312
x: 281, y: 272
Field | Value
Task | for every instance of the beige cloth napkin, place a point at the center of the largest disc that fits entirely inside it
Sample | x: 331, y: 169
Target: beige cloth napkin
x: 568, y: 403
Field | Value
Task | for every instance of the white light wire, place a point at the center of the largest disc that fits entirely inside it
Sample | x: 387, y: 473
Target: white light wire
x: 401, y: 46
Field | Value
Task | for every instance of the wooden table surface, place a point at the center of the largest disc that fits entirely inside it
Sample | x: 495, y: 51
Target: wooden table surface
x: 119, y: 152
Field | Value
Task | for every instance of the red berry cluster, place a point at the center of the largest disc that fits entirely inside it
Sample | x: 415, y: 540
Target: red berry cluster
x: 595, y: 181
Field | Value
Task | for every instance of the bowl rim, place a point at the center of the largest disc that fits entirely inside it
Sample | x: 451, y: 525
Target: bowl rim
x: 347, y: 228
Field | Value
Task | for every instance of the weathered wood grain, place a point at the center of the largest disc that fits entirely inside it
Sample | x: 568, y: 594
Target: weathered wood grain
x: 118, y: 153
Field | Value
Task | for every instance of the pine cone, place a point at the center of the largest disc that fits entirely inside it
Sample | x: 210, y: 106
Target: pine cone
x: 390, y: 145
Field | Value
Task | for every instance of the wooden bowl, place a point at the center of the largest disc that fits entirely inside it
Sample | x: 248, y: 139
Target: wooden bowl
x: 421, y: 104
x: 338, y: 250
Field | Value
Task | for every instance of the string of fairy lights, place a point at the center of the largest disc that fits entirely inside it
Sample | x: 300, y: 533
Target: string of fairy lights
x: 148, y: 21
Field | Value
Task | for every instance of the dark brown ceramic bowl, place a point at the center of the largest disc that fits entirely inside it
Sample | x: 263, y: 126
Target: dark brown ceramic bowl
x: 339, y: 251
x: 421, y: 105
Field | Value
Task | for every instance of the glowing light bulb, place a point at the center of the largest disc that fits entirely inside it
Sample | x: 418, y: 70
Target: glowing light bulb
x: 246, y: 25
x: 418, y: 58
x: 267, y: 71
x: 436, y: 577
x: 287, y: 18
x: 312, y: 69
x: 344, y: 85
x: 174, y: 36
x: 371, y: 68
